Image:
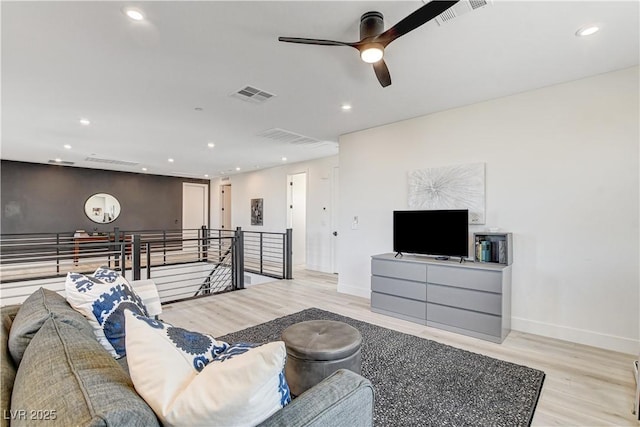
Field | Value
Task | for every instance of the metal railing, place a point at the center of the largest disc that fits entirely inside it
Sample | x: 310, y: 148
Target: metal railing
x: 30, y: 263
x: 183, y: 263
x: 204, y: 266
x: 42, y: 255
x: 181, y: 268
x: 268, y: 254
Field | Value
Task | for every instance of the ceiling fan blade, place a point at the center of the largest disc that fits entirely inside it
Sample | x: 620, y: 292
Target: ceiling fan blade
x: 314, y: 41
x: 382, y: 73
x: 421, y: 16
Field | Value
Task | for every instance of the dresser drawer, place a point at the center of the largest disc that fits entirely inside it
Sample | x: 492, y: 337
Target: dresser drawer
x: 401, y: 288
x: 484, y: 302
x: 468, y: 278
x: 470, y: 320
x: 407, y: 307
x: 399, y: 270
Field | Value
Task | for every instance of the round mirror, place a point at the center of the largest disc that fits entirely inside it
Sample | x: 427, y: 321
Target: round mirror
x: 102, y: 208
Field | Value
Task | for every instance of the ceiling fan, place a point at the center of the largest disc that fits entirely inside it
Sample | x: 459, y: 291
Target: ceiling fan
x: 373, y: 38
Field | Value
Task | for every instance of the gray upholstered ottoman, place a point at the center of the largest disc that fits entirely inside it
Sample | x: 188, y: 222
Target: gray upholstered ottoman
x: 318, y: 348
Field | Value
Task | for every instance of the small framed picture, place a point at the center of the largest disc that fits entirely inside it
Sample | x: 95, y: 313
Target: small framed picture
x: 256, y: 212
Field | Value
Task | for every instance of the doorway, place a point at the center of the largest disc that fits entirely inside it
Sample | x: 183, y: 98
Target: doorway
x: 225, y: 207
x: 334, y: 219
x: 195, y: 208
x: 297, y: 216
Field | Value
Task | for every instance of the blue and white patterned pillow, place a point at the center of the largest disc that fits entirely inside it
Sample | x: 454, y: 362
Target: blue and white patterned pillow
x: 199, y: 348
x: 106, y: 274
x: 102, y: 299
x: 204, y: 381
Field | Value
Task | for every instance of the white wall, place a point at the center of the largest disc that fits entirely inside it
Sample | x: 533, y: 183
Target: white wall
x: 561, y: 174
x: 271, y: 185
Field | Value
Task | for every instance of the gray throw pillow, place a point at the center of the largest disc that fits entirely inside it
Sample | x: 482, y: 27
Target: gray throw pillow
x: 70, y: 379
x: 32, y: 315
x: 7, y: 367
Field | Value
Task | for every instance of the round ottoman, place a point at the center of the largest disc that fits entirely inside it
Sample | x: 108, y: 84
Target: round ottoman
x: 318, y: 348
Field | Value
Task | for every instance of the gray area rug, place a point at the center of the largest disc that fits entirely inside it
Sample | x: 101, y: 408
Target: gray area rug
x: 419, y: 382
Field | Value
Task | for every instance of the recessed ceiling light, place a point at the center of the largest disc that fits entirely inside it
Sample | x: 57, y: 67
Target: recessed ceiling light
x: 85, y: 122
x: 170, y: 160
x: 284, y: 159
x: 211, y: 145
x: 587, y: 30
x: 238, y: 168
x: 67, y: 146
x: 134, y: 14
x: 144, y: 169
x: 346, y: 107
x: 206, y: 175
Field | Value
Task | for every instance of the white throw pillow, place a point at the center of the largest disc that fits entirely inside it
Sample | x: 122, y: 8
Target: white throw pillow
x: 191, y: 379
x: 102, y: 298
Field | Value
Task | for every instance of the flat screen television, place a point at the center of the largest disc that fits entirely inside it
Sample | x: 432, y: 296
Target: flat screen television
x: 442, y: 233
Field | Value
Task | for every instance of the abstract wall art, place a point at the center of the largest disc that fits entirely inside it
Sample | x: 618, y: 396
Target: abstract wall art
x: 450, y: 187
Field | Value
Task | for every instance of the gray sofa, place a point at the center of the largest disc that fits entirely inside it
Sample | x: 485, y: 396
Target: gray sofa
x: 65, y: 377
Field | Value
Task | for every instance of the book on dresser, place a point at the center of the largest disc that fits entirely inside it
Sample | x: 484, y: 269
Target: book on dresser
x: 493, y: 247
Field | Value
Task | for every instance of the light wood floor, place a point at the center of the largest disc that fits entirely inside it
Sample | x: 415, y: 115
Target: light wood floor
x: 584, y: 386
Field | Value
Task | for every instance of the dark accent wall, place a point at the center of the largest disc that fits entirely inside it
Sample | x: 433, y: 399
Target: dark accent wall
x: 39, y: 198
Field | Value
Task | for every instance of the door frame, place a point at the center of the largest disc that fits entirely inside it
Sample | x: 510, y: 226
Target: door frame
x: 205, y: 188
x: 290, y: 213
x: 223, y: 206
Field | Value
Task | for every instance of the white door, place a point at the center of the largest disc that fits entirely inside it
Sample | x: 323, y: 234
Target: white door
x: 225, y: 207
x: 334, y: 219
x: 297, y: 216
x: 195, y: 208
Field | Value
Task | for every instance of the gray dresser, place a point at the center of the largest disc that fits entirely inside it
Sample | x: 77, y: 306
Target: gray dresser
x: 470, y: 298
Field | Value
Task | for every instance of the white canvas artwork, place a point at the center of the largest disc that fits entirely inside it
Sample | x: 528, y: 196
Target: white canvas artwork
x: 449, y: 187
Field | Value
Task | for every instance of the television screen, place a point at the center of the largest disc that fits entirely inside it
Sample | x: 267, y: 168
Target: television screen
x: 435, y: 232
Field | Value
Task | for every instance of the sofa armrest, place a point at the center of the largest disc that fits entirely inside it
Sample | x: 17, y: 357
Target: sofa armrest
x: 344, y: 398
x: 148, y: 291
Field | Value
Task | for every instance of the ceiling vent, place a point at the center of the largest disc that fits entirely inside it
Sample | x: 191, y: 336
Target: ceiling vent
x: 252, y: 94
x: 61, y: 162
x: 459, y: 9
x: 187, y: 174
x: 285, y: 136
x: 111, y: 161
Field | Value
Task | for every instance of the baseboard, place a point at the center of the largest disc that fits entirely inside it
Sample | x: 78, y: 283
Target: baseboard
x: 320, y: 268
x: 580, y: 336
x: 354, y: 290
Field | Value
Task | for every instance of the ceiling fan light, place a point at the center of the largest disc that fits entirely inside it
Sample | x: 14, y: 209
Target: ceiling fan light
x: 372, y: 53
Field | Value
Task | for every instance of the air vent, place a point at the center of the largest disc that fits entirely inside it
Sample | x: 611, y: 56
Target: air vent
x: 111, y: 161
x: 186, y: 174
x: 252, y: 94
x: 62, y: 162
x: 287, y: 137
x: 459, y: 9
x: 476, y: 4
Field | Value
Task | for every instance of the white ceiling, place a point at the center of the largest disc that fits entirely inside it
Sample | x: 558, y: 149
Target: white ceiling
x: 140, y: 82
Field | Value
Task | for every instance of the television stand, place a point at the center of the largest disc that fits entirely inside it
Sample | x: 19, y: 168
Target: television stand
x: 398, y: 254
x: 473, y: 298
x: 442, y: 258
